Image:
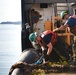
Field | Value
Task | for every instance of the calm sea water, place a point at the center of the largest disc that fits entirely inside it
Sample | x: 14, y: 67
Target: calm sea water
x: 10, y: 46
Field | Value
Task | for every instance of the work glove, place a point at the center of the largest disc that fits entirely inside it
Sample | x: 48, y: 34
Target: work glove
x: 45, y: 56
x: 55, y: 30
x: 44, y: 53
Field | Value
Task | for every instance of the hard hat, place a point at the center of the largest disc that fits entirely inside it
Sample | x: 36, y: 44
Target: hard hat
x: 32, y: 37
x: 63, y: 13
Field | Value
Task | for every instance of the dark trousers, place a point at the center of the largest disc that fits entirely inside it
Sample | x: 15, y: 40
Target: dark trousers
x: 60, y: 50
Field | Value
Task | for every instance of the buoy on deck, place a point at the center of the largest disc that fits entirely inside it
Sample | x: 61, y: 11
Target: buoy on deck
x: 28, y: 56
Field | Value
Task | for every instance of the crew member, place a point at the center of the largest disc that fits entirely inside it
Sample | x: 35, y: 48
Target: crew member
x: 50, y: 40
x: 70, y: 21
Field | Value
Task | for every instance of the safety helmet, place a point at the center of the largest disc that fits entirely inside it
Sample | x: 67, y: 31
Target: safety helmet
x: 32, y: 37
x: 63, y: 13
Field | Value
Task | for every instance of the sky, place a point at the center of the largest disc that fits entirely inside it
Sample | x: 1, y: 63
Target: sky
x: 10, y: 10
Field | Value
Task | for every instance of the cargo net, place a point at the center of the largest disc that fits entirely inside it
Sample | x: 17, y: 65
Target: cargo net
x: 44, y: 68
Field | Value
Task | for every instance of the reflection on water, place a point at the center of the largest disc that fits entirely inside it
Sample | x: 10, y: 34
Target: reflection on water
x: 10, y: 46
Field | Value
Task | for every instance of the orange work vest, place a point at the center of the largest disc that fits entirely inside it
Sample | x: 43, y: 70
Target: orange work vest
x: 53, y: 39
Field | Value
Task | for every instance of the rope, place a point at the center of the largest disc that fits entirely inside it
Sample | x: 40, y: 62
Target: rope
x: 26, y: 67
x: 45, y: 66
x: 21, y: 65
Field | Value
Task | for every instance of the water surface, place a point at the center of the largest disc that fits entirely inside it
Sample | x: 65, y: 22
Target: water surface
x: 10, y: 46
